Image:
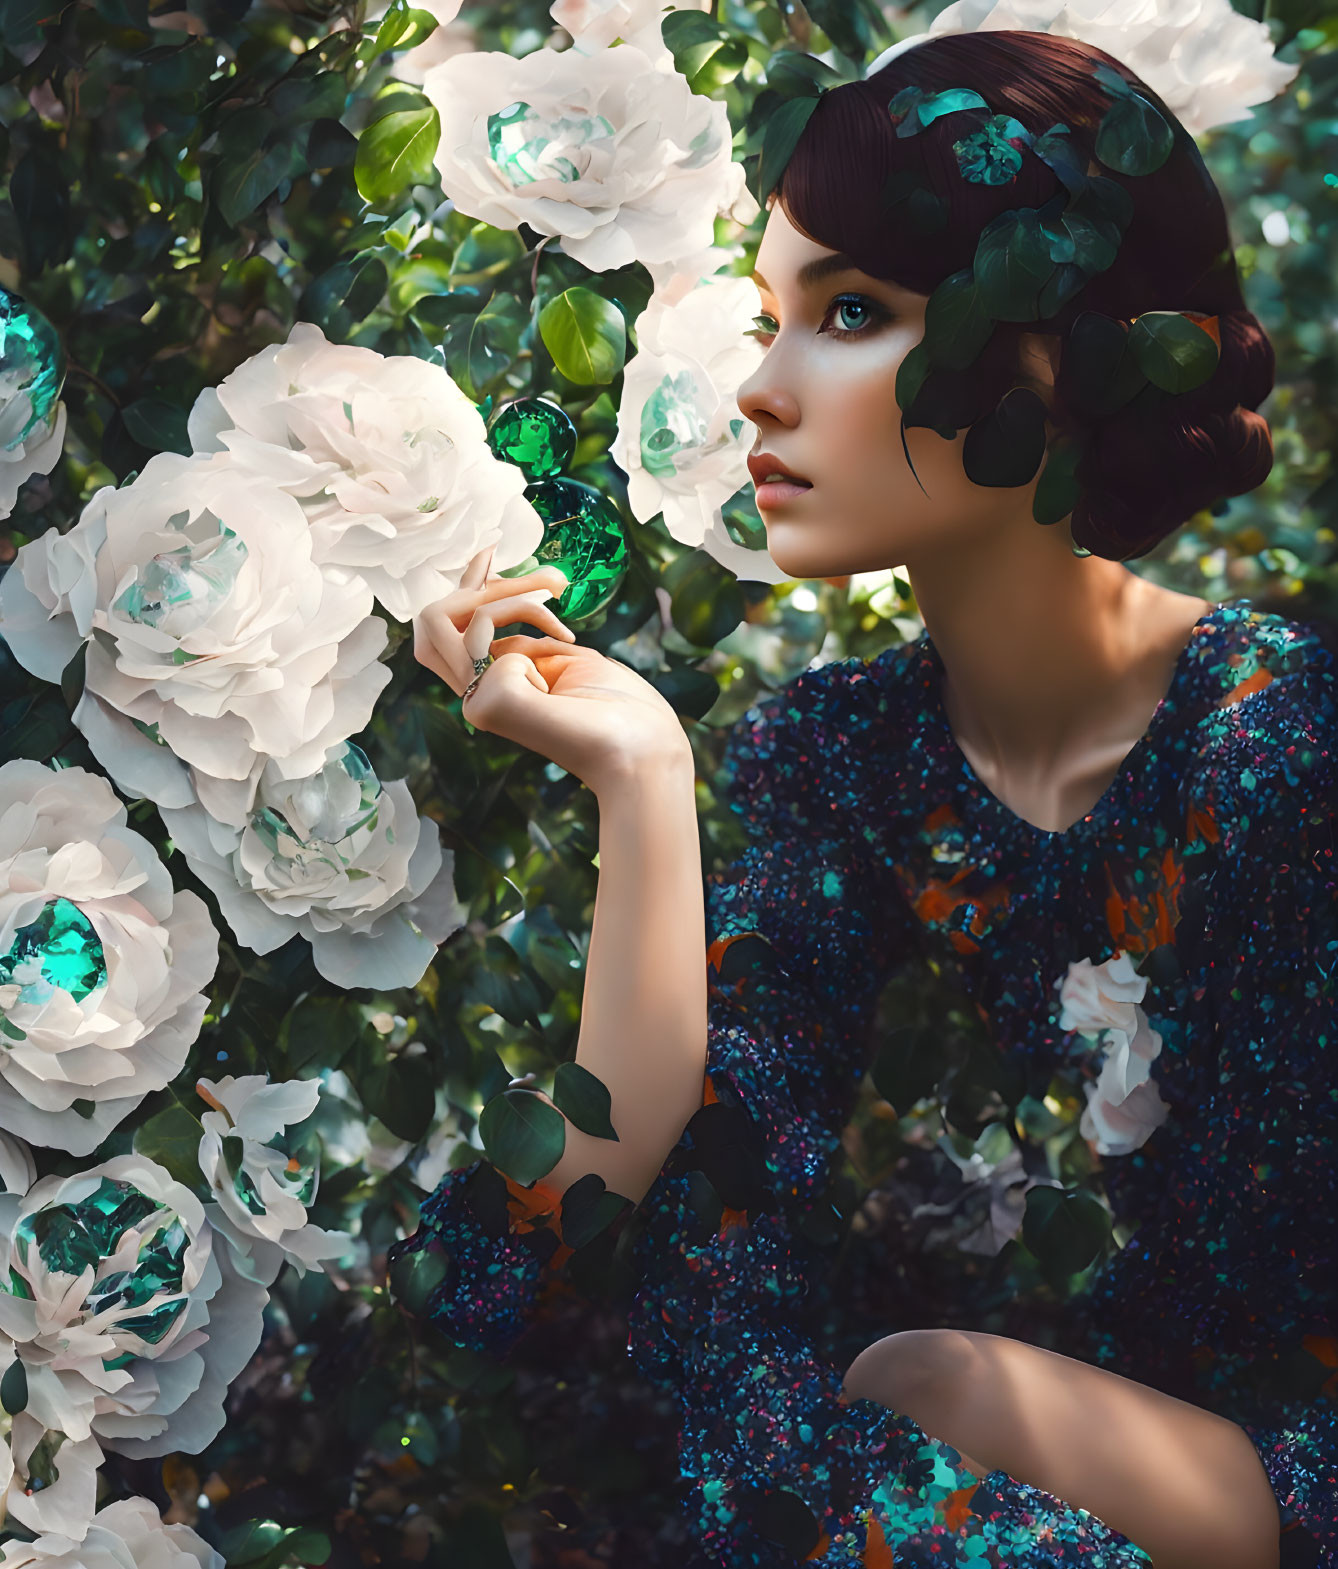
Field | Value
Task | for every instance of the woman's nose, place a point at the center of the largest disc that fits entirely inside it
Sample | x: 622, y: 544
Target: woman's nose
x: 763, y: 393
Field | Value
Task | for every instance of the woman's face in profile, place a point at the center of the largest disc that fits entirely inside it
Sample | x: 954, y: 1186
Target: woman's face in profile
x: 824, y: 402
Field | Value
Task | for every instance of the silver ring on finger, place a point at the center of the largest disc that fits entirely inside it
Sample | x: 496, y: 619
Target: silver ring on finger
x: 480, y: 665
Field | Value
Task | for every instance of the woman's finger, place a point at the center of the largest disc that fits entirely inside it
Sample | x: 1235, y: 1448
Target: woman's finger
x: 475, y: 574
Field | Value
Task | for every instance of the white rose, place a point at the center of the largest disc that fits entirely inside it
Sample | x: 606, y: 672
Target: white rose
x: 262, y: 1191
x: 18, y: 1169
x: 128, y: 1534
x: 1101, y: 1002
x: 211, y: 629
x: 339, y: 858
x: 103, y: 964
x: 1207, y: 62
x: 387, y: 456
x: 595, y: 24
x: 126, y: 1307
x: 22, y: 456
x: 626, y: 163
x: 47, y: 1481
x: 681, y: 440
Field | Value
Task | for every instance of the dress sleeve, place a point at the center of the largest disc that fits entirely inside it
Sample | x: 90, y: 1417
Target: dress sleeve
x: 796, y: 941
x: 1272, y: 937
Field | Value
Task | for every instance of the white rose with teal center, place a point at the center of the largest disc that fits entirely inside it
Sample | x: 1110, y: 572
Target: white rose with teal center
x: 1101, y: 1002
x: 32, y: 419
x: 103, y: 963
x: 127, y: 1534
x: 387, y: 456
x: 622, y: 161
x: 264, y: 1191
x: 595, y: 24
x: 681, y: 440
x: 208, y: 627
x: 338, y: 857
x: 48, y: 1481
x: 1203, y: 58
x: 126, y: 1307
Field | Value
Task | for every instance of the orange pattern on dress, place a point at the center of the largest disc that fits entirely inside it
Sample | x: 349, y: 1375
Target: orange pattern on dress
x: 1140, y: 922
x: 877, y: 1554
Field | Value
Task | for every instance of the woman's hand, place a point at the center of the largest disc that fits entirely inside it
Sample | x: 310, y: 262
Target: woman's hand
x: 593, y: 716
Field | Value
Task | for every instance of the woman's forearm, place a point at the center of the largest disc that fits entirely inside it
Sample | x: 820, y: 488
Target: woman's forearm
x: 643, y: 1015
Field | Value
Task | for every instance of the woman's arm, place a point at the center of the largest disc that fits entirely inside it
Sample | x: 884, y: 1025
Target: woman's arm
x: 643, y: 1014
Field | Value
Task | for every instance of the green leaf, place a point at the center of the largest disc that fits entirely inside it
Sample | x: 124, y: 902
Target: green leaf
x: 1066, y: 1230
x: 414, y: 1277
x: 1012, y: 264
x: 957, y: 326
x: 1057, y: 489
x: 1005, y: 448
x: 343, y: 295
x: 796, y: 75
x: 586, y: 335
x: 1173, y: 352
x: 1134, y: 137
x: 157, y: 424
x: 14, y: 1387
x: 1099, y: 370
x: 172, y: 1138
x: 914, y: 204
x: 522, y: 1134
x: 587, y: 1209
x: 252, y: 174
x: 250, y: 1541
x: 784, y: 129
x: 396, y: 152
x: 319, y: 1031
x: 401, y: 1093
x: 579, y: 1095
x: 705, y: 601
x: 907, y: 1067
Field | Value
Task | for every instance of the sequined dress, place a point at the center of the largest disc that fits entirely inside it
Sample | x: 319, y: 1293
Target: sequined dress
x: 1174, y: 949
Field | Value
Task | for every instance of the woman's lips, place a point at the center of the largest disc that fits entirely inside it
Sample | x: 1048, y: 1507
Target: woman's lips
x: 775, y: 491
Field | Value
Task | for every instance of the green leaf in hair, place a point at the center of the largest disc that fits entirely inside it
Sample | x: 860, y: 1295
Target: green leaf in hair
x: 993, y: 154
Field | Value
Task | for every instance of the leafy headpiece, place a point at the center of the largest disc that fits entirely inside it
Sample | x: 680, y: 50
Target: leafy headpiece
x: 1029, y: 263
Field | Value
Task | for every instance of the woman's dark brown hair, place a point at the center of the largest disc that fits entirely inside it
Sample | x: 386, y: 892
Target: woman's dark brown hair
x: 1160, y: 458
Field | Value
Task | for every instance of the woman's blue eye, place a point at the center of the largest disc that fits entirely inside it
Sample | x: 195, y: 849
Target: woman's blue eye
x: 767, y: 326
x: 856, y: 302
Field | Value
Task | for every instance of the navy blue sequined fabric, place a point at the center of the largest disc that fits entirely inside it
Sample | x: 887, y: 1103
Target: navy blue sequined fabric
x: 1173, y: 950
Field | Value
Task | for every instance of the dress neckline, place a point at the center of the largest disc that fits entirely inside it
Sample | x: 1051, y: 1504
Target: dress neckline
x: 933, y: 671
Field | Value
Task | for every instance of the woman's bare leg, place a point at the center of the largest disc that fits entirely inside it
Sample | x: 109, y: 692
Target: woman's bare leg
x: 1184, y: 1484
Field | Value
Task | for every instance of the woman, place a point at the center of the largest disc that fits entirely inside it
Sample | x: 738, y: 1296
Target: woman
x: 1110, y: 807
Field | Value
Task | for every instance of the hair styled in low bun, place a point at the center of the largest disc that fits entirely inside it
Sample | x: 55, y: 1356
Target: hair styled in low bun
x: 1151, y: 464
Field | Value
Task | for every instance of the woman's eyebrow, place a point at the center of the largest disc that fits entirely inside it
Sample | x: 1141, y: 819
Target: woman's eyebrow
x: 811, y: 271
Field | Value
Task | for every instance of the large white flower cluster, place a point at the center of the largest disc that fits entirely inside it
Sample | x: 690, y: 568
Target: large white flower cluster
x: 1207, y: 62
x: 387, y: 456
x: 224, y: 601
x: 1101, y: 1002
x: 125, y: 1306
x: 621, y: 159
x: 103, y: 964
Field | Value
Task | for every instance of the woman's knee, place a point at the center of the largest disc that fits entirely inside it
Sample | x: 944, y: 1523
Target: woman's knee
x: 906, y: 1369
